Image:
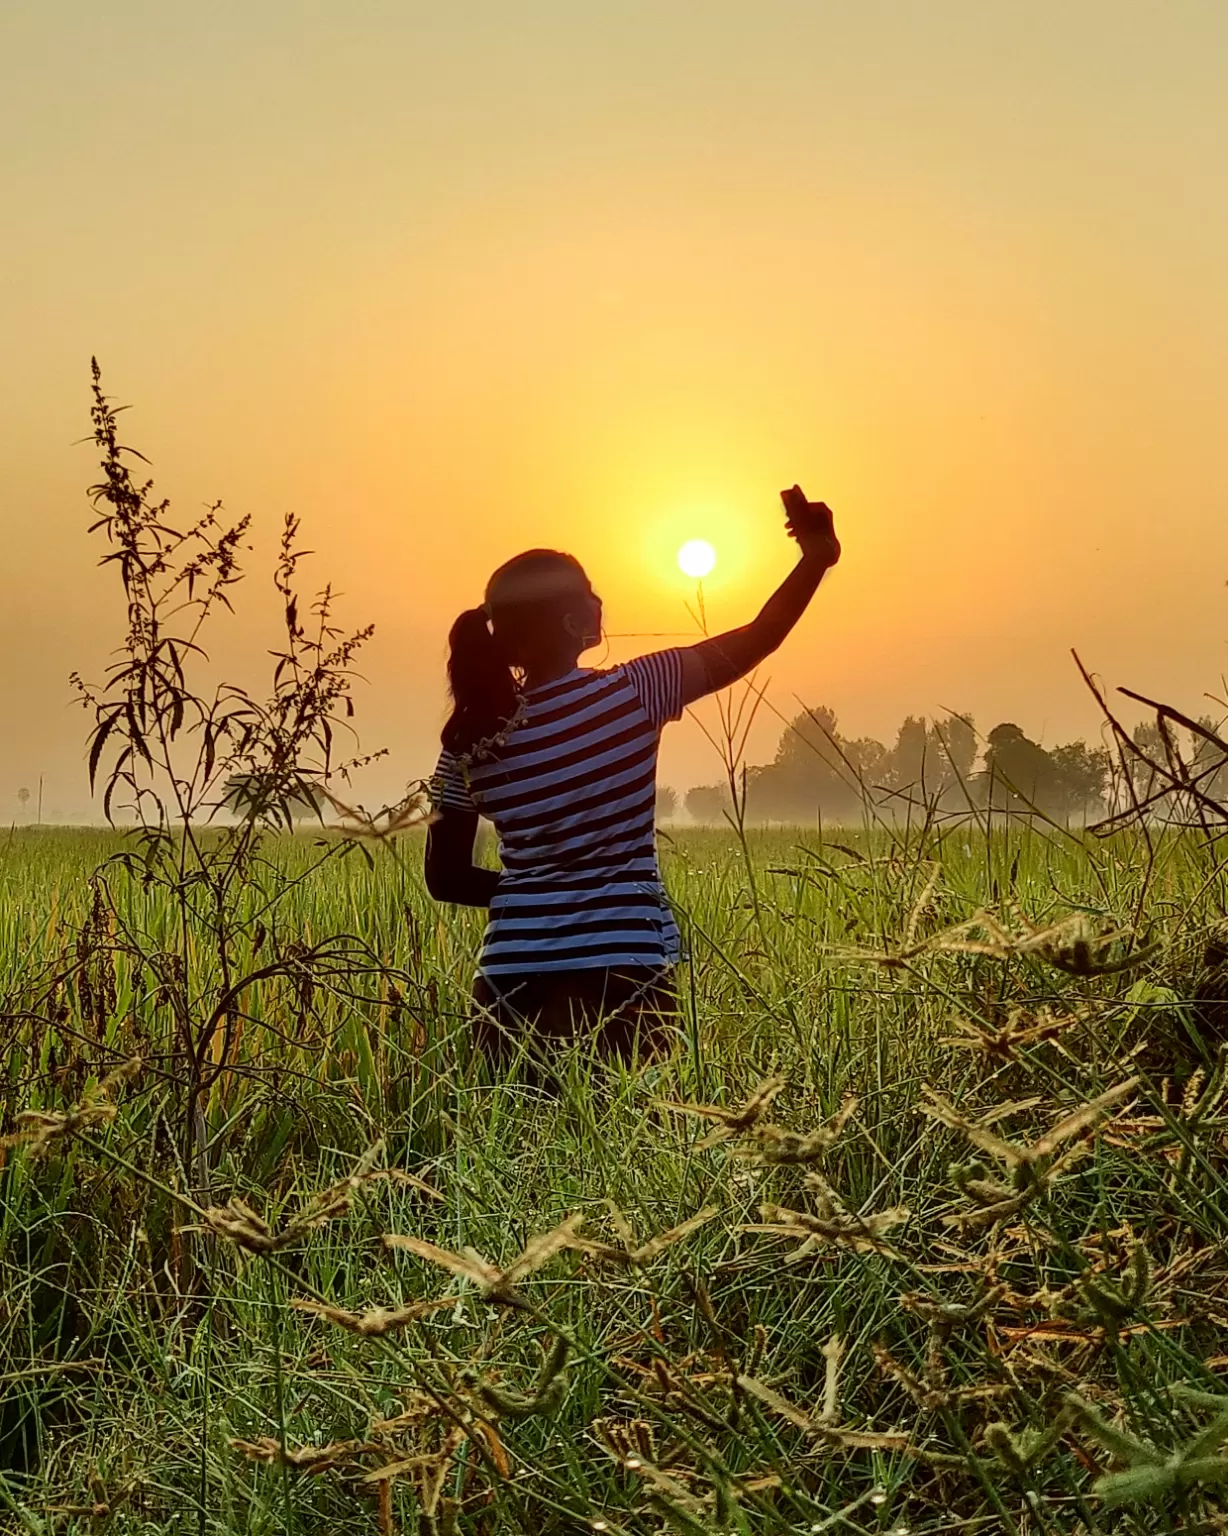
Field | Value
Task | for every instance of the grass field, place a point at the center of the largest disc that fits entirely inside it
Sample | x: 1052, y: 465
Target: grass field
x: 942, y: 1252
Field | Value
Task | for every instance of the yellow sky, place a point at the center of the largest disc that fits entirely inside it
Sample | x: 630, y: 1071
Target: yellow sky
x: 452, y: 280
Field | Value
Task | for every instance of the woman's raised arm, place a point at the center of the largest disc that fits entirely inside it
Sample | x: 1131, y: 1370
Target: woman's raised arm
x: 715, y: 663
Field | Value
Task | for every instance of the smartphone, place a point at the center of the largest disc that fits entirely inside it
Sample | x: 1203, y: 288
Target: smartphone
x: 794, y: 499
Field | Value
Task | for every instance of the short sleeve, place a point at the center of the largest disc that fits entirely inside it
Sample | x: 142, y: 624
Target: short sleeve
x: 450, y: 786
x: 657, y: 680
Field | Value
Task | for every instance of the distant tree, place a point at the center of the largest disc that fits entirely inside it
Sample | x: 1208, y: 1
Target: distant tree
x: 1148, y: 739
x: 23, y: 797
x: 932, y: 760
x: 956, y: 735
x: 867, y: 758
x: 1082, y: 779
x: 707, y: 802
x: 1018, y: 774
x: 810, y: 735
x: 1168, y: 760
x: 250, y: 797
x: 667, y: 803
x: 1070, y: 781
x: 911, y: 757
x: 1211, y: 761
x: 816, y: 772
x: 808, y: 756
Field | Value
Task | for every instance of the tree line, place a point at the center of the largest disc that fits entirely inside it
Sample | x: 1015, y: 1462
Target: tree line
x: 819, y: 773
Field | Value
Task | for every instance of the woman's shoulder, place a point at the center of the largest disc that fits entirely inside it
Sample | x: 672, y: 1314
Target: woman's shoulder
x: 656, y: 680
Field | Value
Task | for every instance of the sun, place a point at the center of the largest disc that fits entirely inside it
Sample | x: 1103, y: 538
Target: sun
x: 696, y: 558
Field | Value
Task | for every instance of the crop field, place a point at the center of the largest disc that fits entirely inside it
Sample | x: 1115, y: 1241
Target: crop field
x: 919, y: 1227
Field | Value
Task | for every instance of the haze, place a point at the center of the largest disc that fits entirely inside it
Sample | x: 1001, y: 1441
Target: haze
x: 449, y: 281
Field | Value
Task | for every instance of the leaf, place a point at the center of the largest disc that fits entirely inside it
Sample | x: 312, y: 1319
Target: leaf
x: 776, y: 1144
x: 105, y: 728
x: 773, y: 1400
x: 642, y: 1253
x: 860, y: 1232
x: 1137, y: 1485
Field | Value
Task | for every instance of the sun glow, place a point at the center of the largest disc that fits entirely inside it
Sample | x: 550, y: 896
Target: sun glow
x: 696, y: 558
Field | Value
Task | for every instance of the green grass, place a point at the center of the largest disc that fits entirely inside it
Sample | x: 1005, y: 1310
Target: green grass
x: 136, y: 1342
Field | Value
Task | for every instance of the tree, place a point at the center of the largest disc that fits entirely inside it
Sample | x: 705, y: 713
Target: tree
x: 932, y: 760
x: 910, y: 758
x: 1148, y: 738
x: 816, y: 772
x: 1082, y: 778
x: 707, y: 802
x: 667, y: 803
x: 23, y: 798
x: 808, y: 737
x: 257, y: 797
x: 1018, y: 775
x: 1210, y: 763
x: 868, y: 759
x: 957, y: 737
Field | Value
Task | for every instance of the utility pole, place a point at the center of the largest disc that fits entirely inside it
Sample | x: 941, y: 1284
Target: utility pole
x: 39, y: 821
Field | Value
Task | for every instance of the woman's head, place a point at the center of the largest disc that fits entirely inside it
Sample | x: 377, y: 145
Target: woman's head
x: 540, y: 615
x: 543, y: 609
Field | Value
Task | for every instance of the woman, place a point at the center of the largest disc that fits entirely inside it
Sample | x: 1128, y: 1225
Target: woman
x: 563, y: 760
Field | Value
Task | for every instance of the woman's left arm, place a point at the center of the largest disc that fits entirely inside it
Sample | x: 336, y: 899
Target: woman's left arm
x: 451, y: 874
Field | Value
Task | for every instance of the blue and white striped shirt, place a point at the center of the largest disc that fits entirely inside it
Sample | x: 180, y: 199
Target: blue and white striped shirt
x: 572, y: 794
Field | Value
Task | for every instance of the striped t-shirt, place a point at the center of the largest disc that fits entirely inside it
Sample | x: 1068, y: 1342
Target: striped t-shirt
x: 572, y: 794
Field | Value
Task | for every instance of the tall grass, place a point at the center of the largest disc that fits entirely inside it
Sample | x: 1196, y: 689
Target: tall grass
x: 945, y: 1277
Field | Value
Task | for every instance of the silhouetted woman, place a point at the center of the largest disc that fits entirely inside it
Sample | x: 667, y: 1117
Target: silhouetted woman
x: 563, y: 759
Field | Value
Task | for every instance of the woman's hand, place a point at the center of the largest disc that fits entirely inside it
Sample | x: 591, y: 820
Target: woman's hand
x: 812, y: 525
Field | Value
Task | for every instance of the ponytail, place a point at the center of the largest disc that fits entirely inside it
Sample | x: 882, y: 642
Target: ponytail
x: 484, y: 692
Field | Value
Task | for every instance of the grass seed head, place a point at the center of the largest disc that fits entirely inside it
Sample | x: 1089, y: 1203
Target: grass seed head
x: 39, y: 1129
x: 377, y: 1321
x: 498, y: 1284
x: 310, y: 1459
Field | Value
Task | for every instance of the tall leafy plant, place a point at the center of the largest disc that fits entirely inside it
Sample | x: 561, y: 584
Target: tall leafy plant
x: 167, y: 747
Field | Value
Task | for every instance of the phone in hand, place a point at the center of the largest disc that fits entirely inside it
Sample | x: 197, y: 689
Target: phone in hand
x: 794, y: 500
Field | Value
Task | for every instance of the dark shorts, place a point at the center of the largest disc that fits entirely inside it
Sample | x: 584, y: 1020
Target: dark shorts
x: 625, y: 1013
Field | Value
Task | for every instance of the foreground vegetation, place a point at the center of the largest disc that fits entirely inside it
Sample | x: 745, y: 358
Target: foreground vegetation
x: 919, y: 1228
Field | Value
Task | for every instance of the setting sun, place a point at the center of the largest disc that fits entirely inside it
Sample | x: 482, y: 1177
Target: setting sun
x: 696, y: 558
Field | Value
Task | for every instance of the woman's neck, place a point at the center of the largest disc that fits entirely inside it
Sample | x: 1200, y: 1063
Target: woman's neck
x: 537, y: 674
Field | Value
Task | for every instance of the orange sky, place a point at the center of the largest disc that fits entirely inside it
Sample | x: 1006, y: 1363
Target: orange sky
x: 453, y: 280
